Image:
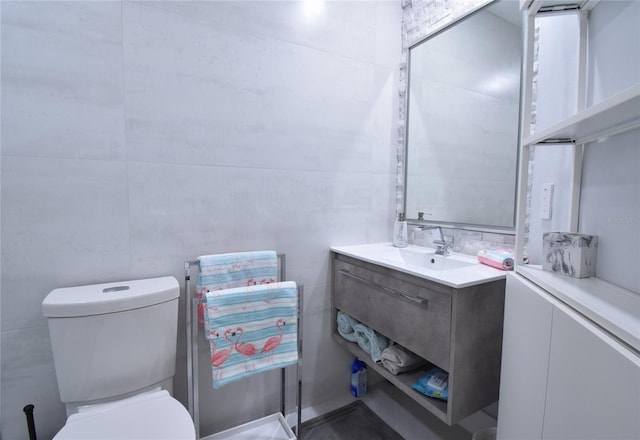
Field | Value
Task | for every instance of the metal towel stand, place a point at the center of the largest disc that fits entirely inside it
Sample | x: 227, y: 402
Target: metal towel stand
x: 192, y: 348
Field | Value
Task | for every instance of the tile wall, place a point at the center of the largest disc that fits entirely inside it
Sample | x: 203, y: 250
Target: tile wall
x: 137, y: 135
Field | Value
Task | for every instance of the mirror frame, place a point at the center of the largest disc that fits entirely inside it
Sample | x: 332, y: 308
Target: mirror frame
x: 470, y: 226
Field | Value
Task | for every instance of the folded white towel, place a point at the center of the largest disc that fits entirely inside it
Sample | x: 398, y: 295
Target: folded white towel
x: 398, y: 359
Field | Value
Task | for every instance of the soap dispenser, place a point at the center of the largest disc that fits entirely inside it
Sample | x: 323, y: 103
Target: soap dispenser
x: 400, y: 231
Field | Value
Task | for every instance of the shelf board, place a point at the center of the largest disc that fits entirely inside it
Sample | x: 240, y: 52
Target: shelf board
x: 607, y: 117
x: 613, y: 308
x: 555, y: 4
x: 272, y: 427
x: 403, y: 381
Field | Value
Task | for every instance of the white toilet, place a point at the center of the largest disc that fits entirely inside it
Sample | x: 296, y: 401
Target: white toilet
x: 114, y: 350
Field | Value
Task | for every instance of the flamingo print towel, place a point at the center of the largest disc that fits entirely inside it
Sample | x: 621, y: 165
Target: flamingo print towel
x: 252, y: 329
x: 238, y: 269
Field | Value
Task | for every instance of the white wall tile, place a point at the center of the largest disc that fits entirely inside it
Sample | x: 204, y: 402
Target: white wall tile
x: 556, y: 79
x: 179, y: 212
x: 327, y: 366
x: 28, y: 377
x: 388, y: 38
x: 551, y: 165
x: 211, y: 127
x: 62, y: 79
x: 610, y: 207
x: 242, y: 100
x: 65, y: 222
x: 614, y: 39
x: 342, y: 27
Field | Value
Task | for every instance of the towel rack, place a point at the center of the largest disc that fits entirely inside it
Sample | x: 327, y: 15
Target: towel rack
x: 191, y: 310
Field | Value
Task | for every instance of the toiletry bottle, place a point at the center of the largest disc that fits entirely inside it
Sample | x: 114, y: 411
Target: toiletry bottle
x: 358, y: 378
x: 400, y: 238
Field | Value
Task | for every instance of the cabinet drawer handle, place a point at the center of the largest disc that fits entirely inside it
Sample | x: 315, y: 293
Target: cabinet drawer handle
x: 386, y: 289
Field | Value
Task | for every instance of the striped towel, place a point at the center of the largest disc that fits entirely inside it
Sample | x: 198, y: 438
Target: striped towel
x: 239, y: 269
x: 253, y: 329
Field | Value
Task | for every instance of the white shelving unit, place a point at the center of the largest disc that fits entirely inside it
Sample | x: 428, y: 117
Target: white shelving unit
x: 552, y: 352
x: 611, y: 307
x: 614, y: 115
x: 559, y: 331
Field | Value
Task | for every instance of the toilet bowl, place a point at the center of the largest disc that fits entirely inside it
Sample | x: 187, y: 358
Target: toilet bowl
x: 114, y: 351
x: 154, y: 415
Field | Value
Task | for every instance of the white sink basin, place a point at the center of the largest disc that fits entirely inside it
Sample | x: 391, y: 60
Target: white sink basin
x: 455, y: 270
x: 431, y: 260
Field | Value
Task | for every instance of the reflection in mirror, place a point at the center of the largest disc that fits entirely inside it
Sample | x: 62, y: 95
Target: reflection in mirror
x: 462, y: 121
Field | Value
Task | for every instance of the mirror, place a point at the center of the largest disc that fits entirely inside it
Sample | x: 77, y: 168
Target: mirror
x: 463, y: 121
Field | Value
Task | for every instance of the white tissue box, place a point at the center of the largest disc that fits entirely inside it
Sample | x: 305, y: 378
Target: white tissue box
x: 570, y: 253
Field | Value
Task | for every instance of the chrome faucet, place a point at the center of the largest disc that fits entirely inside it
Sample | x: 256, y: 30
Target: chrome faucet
x: 442, y: 245
x: 437, y: 238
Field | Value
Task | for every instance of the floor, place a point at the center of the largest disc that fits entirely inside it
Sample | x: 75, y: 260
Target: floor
x: 405, y: 416
x: 352, y: 422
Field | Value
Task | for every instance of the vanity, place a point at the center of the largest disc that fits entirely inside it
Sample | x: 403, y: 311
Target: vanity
x: 446, y: 309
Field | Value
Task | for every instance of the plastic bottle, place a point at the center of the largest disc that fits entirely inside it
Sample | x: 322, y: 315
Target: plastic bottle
x: 400, y: 238
x: 358, y: 378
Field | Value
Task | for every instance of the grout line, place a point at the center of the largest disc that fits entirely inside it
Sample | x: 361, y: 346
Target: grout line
x: 124, y: 133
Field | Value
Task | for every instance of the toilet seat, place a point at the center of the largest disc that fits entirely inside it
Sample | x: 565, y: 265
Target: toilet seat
x: 154, y: 415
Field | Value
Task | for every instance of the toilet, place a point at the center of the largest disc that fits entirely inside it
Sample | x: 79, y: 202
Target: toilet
x: 114, y: 351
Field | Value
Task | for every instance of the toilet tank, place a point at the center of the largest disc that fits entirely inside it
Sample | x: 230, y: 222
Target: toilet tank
x: 112, y: 339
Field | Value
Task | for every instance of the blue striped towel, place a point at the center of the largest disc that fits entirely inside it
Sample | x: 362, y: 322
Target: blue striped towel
x: 253, y: 329
x: 238, y: 269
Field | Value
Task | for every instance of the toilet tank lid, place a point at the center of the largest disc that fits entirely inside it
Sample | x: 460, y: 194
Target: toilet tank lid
x: 97, y: 299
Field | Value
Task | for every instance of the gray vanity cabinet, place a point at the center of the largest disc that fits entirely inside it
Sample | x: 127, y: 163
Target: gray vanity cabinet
x: 458, y: 330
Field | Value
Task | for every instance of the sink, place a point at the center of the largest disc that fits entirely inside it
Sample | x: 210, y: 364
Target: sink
x: 431, y: 260
x: 414, y: 257
x: 454, y: 270
x: 446, y: 262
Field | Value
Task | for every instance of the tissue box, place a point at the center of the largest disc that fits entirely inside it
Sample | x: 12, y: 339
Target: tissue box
x: 570, y: 253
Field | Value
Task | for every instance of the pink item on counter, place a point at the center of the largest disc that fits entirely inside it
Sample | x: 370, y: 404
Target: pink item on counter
x: 497, y: 258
